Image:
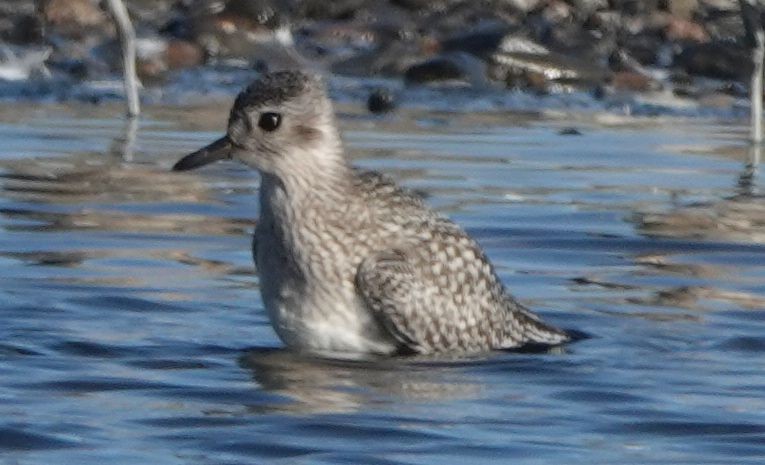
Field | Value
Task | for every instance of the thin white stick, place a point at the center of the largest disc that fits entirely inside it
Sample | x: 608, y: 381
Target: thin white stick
x: 127, y: 41
x: 124, y: 144
x: 754, y: 157
x: 758, y: 55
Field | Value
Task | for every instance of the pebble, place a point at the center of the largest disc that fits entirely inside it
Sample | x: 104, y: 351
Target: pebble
x: 381, y: 101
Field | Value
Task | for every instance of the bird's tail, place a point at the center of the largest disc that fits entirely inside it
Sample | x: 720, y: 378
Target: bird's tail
x: 528, y: 331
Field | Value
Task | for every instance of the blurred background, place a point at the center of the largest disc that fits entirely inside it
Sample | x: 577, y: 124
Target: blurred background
x: 655, y: 54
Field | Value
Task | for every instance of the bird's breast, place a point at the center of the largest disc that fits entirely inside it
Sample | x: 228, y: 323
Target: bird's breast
x: 307, y: 285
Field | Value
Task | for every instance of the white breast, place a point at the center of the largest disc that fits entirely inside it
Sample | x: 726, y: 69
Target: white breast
x: 313, y: 313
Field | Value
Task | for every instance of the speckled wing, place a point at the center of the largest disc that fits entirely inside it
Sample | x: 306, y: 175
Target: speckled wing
x: 386, y: 283
x: 434, y: 290
x: 423, y: 315
x: 413, y: 314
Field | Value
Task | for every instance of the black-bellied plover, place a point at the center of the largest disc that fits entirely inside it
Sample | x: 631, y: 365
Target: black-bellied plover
x: 348, y: 261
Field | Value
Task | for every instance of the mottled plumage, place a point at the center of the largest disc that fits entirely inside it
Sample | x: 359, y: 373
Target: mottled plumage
x: 271, y: 89
x: 347, y: 260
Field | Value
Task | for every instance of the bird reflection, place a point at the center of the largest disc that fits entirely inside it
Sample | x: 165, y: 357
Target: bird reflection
x: 701, y: 297
x: 340, y: 385
x: 739, y: 217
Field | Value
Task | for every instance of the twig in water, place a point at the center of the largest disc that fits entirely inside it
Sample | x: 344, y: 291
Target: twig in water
x: 127, y: 41
x: 752, y: 14
x: 758, y: 55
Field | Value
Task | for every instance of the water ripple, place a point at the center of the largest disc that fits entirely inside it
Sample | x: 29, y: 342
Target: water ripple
x: 133, y: 331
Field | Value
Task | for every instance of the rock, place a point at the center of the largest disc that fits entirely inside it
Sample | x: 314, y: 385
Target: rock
x: 525, y: 5
x: 381, y: 101
x: 570, y: 131
x: 419, y: 5
x: 180, y: 27
x: 151, y: 70
x: 263, y: 12
x: 334, y: 10
x: 76, y: 69
x: 622, y: 60
x: 528, y: 80
x: 183, y: 54
x: 680, y: 78
x: 434, y: 70
x: 603, y: 22
x: 717, y: 100
x: 245, y: 41
x: 634, y: 7
x: 150, y: 57
x: 600, y: 92
x: 449, y: 68
x: 644, y: 47
x: 735, y: 89
x: 719, y: 59
x: 684, y: 30
x: 21, y: 30
x: 392, y: 59
x: 587, y: 7
x: 722, y: 23
x: 157, y: 56
x: 633, y: 82
x: 520, y: 57
x: 237, y: 29
x: 571, y: 40
x: 481, y: 43
x: 73, y: 18
x: 21, y: 63
x: 538, y: 45
x: 341, y: 40
x: 557, y: 11
x: 683, y: 9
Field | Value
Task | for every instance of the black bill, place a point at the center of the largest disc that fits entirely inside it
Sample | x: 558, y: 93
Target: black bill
x: 218, y: 150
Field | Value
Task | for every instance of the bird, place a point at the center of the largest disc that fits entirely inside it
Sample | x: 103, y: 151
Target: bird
x: 348, y: 261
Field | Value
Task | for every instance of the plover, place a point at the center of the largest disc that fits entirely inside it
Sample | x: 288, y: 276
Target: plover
x: 347, y: 260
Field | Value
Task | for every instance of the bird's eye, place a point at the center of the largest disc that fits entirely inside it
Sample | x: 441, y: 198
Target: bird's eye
x: 269, y: 121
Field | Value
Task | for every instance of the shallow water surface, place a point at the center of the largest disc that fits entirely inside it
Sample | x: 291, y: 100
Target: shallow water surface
x: 132, y: 330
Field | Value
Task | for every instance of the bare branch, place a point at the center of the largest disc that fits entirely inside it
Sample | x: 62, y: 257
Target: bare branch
x: 758, y: 55
x: 127, y: 41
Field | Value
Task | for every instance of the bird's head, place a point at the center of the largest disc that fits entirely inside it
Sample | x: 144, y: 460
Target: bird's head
x: 282, y: 124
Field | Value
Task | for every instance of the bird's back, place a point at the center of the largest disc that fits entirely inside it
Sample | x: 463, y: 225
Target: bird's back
x: 462, y: 304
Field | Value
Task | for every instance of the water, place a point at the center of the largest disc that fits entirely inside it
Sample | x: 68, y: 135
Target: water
x: 132, y: 330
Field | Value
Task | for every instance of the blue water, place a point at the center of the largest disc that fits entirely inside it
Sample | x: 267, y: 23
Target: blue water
x: 132, y: 330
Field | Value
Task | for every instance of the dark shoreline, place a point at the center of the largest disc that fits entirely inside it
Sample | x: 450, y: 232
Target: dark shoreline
x: 628, y: 56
